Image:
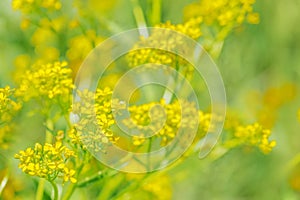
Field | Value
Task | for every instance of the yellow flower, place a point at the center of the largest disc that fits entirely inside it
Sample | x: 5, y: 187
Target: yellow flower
x: 93, y: 128
x: 220, y: 17
x: 165, y: 38
x: 8, y: 106
x: 80, y: 46
x: 47, y: 161
x: 27, y: 6
x: 166, y: 123
x: 222, y: 12
x: 251, y: 135
x: 47, y: 82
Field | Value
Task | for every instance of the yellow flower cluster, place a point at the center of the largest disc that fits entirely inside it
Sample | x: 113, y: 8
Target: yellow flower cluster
x: 189, y: 28
x: 219, y: 18
x: 251, y: 135
x: 26, y: 6
x: 166, y: 39
x: 161, y: 120
x: 8, y: 107
x: 223, y: 12
x: 95, y: 120
x: 205, y: 124
x: 47, y: 161
x: 47, y: 81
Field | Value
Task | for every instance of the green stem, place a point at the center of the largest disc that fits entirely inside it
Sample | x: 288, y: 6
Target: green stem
x: 139, y: 17
x: 156, y: 12
x: 148, y: 154
x: 131, y: 187
x: 40, y: 190
x: 55, y: 189
x: 69, y: 192
x: 72, y: 187
x: 48, y: 139
x: 110, y: 187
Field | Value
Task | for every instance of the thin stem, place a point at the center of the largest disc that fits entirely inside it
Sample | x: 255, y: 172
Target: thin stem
x: 48, y: 139
x: 139, y: 18
x: 110, y: 187
x: 55, y: 189
x: 98, y: 176
x: 156, y: 12
x: 131, y: 186
x: 148, y: 154
x: 72, y: 187
x: 40, y: 190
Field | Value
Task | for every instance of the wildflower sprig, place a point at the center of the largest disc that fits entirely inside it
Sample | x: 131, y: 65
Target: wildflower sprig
x: 95, y: 119
x: 219, y: 19
x: 49, y: 84
x: 47, y: 161
x: 165, y: 122
x: 8, y: 106
x: 164, y: 38
x: 253, y: 135
x: 27, y: 6
x: 222, y: 16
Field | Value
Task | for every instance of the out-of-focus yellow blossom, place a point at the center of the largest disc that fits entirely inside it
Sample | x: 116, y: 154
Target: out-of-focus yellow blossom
x: 157, y: 187
x: 160, y: 187
x: 43, y: 36
x: 204, y: 122
x: 8, y: 107
x: 165, y: 38
x: 251, y: 135
x: 166, y: 121
x: 220, y: 17
x: 274, y: 97
x: 46, y: 54
x: 266, y: 104
x: 26, y: 6
x: 47, y: 161
x: 223, y: 12
x: 80, y: 46
x: 299, y: 114
x: 12, y: 186
x: 95, y: 8
x: 294, y: 178
x: 95, y: 120
x: 21, y: 63
x: 24, y: 24
x: 47, y: 81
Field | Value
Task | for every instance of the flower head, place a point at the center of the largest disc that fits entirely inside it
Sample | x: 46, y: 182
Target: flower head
x: 47, y: 82
x: 251, y: 135
x: 47, y: 161
x: 8, y: 106
x: 95, y: 119
x: 160, y: 46
x: 161, y: 120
